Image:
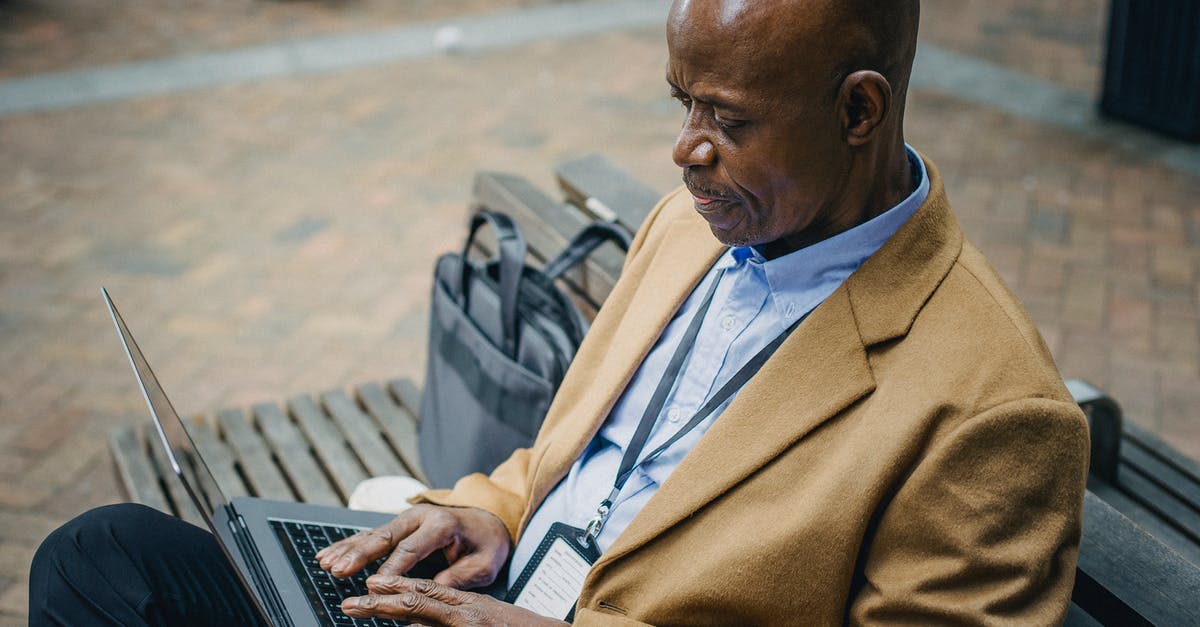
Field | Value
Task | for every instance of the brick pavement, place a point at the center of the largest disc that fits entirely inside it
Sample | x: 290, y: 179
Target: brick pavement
x: 277, y: 238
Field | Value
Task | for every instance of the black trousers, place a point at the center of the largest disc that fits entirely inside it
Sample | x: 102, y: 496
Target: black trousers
x: 132, y: 565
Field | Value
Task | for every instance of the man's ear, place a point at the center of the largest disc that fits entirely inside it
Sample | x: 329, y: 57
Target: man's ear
x: 864, y: 100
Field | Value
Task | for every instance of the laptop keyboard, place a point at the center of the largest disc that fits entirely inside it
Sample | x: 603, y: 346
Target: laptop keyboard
x: 324, y: 591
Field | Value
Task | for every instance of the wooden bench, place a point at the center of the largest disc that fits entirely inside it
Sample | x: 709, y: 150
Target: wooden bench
x: 1140, y: 513
x: 316, y: 448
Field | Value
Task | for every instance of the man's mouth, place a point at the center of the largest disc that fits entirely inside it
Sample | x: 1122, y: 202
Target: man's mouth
x: 702, y: 196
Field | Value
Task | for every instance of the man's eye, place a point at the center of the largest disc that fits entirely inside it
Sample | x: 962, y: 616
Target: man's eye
x: 727, y: 124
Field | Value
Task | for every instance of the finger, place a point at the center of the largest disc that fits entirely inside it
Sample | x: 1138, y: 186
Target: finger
x: 415, y: 547
x: 330, y: 554
x: 472, y: 571
x: 385, y: 585
x: 364, y: 547
x: 404, y: 606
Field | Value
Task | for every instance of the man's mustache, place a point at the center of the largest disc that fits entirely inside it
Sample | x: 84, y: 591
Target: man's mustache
x: 702, y: 188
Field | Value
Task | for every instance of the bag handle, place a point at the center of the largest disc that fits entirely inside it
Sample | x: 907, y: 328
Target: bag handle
x: 512, y: 250
x: 582, y: 245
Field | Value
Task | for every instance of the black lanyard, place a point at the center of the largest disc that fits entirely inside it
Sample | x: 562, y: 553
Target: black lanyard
x: 629, y: 461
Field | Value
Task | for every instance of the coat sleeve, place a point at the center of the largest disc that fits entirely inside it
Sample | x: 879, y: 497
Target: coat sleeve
x: 986, y: 528
x: 505, y: 492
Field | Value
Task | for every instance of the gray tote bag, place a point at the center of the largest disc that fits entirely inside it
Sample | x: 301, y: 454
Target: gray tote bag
x: 501, y: 336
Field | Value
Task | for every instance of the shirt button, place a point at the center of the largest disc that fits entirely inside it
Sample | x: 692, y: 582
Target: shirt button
x: 673, y: 414
x: 727, y: 322
x: 791, y: 309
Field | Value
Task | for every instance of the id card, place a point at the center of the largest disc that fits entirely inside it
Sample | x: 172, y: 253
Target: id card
x: 553, y: 578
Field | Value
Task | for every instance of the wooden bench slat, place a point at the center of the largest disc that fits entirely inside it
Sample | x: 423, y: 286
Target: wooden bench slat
x: 398, y: 424
x: 138, y: 477
x: 184, y: 507
x: 1178, y: 486
x: 1077, y: 617
x: 1126, y: 576
x: 607, y: 190
x: 407, y: 394
x: 1149, y: 494
x: 263, y: 476
x: 219, y: 459
x: 362, y: 434
x: 548, y: 226
x: 1146, y: 519
x: 1183, y: 464
x: 331, y: 448
x: 294, y: 455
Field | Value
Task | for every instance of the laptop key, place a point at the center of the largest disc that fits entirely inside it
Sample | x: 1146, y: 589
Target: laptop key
x: 345, y: 587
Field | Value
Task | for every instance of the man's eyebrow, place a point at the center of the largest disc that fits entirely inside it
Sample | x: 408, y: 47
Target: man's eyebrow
x: 716, y: 100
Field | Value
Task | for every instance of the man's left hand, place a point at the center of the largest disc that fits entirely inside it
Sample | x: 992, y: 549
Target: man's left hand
x: 429, y: 603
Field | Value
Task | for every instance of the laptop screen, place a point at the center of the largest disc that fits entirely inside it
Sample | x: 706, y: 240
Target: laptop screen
x: 181, y: 452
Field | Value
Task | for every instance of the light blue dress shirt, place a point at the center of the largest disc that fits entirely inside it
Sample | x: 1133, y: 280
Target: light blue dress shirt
x: 755, y: 301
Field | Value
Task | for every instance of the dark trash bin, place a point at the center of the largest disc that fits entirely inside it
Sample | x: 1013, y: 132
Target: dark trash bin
x: 1152, y: 70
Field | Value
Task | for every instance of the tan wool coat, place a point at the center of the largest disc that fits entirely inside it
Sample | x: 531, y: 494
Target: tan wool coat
x: 908, y: 456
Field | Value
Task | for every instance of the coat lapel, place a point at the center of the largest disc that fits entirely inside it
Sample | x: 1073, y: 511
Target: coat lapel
x: 821, y: 369
x: 685, y: 255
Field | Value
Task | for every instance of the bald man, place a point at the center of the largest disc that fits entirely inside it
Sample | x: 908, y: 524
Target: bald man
x: 807, y: 401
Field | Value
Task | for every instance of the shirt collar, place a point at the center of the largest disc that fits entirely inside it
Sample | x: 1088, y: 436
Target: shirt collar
x: 802, y: 279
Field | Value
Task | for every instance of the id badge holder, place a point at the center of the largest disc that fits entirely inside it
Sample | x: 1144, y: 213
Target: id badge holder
x: 552, y: 580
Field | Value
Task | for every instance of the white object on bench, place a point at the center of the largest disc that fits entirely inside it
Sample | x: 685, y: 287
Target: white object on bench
x: 388, y: 494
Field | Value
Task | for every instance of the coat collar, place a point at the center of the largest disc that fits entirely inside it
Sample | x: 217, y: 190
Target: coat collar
x: 824, y: 362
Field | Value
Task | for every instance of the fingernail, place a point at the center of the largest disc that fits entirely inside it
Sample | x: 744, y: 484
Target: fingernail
x: 342, y: 564
x: 350, y: 603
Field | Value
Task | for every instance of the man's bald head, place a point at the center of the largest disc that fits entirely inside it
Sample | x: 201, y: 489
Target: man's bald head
x: 836, y: 37
x: 794, y: 126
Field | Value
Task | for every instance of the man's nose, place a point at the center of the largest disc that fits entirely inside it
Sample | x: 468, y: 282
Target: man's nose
x: 693, y: 147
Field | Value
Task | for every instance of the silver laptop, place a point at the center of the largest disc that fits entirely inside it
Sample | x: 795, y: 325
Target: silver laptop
x: 270, y: 543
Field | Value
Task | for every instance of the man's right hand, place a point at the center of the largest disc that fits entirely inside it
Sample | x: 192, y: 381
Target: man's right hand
x: 475, y: 542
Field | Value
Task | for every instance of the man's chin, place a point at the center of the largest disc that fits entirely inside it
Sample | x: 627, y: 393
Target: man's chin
x: 731, y: 237
x: 725, y: 224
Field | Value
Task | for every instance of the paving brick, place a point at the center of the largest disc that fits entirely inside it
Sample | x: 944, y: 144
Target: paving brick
x: 1134, y: 384
x: 25, y: 526
x: 1130, y: 321
x: 1084, y: 355
x: 1178, y: 338
x: 14, y: 603
x: 1173, y: 266
x: 19, y: 496
x: 1049, y: 225
x: 1085, y: 298
x: 41, y: 435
